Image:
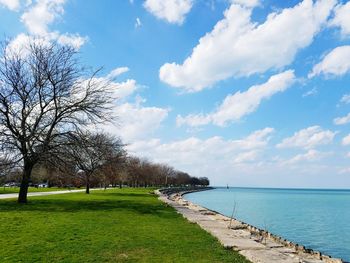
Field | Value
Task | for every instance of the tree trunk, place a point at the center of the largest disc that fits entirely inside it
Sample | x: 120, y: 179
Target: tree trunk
x: 27, y: 171
x: 87, y: 184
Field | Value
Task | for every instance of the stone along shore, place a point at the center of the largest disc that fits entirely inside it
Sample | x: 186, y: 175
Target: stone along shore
x: 256, y: 245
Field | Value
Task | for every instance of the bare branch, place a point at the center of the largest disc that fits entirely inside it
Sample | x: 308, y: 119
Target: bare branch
x: 43, y: 96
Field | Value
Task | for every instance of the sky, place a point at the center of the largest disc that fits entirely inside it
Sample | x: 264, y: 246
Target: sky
x: 248, y: 93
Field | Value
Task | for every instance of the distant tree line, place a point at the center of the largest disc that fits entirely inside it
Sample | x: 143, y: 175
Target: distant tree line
x: 48, y: 104
x: 98, y: 160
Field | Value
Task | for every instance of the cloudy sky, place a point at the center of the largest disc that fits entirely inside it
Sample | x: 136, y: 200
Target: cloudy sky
x: 245, y: 92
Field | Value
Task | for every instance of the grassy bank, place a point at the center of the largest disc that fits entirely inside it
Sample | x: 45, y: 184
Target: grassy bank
x: 127, y: 225
x: 12, y: 190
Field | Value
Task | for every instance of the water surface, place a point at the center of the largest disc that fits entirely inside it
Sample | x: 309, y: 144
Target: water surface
x: 317, y: 219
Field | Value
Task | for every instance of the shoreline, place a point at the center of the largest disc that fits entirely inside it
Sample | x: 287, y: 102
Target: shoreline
x: 255, y: 244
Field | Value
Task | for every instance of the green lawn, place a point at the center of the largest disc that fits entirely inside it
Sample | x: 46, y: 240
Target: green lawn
x: 127, y: 225
x: 10, y: 190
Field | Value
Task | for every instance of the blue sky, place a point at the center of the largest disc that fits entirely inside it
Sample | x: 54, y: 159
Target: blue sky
x: 245, y: 92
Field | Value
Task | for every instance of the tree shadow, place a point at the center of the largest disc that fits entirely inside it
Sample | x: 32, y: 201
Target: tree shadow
x: 132, y: 202
x: 124, y: 194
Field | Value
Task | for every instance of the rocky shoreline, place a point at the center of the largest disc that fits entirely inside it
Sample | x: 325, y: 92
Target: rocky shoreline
x: 257, y: 245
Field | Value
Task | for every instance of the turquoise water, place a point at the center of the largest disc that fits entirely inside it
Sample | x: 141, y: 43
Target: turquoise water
x: 317, y: 219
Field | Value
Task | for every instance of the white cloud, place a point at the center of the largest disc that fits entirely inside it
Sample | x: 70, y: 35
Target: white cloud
x: 239, y: 47
x: 40, y: 15
x: 20, y: 44
x: 124, y: 89
x: 172, y: 11
x: 244, y: 157
x: 308, y: 138
x: 342, y: 120
x: 194, y: 151
x: 117, y: 72
x: 244, y: 162
x: 73, y: 40
x: 138, y: 23
x: 193, y: 120
x: 136, y: 122
x: 10, y: 4
x: 256, y: 139
x: 311, y: 92
x: 342, y: 19
x: 345, y: 99
x: 37, y: 19
x: 344, y: 170
x: 346, y: 140
x: 132, y: 120
x: 247, y: 3
x: 309, y: 156
x: 237, y: 105
x: 214, y: 157
x: 336, y: 62
x: 119, y: 90
x: 240, y: 104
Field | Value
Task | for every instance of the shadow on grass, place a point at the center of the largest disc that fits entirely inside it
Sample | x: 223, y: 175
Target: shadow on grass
x: 133, y: 195
x: 133, y: 202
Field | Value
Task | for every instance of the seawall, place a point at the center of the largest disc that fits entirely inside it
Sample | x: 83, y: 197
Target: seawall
x: 257, y: 245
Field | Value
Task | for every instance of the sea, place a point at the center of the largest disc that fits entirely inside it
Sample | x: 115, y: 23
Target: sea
x: 316, y: 218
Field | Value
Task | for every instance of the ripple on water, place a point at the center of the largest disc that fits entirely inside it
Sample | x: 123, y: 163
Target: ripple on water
x: 318, y: 219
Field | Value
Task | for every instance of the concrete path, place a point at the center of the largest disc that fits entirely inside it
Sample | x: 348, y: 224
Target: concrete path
x: 15, y: 195
x: 247, y: 240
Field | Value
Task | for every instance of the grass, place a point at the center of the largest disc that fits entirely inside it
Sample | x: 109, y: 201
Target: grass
x: 11, y: 190
x: 118, y: 225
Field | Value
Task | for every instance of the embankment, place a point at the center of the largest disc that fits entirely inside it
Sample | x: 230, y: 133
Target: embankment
x: 255, y: 244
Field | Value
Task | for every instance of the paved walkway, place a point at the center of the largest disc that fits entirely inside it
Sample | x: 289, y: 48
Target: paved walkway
x: 15, y: 195
x: 245, y: 239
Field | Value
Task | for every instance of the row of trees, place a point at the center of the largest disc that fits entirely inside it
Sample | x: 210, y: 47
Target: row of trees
x: 99, y: 160
x: 47, y: 105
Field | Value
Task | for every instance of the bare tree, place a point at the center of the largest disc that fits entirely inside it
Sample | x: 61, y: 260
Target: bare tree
x: 114, y: 170
x: 45, y: 94
x: 133, y: 169
x: 90, y: 152
x: 166, y: 172
x: 5, y: 168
